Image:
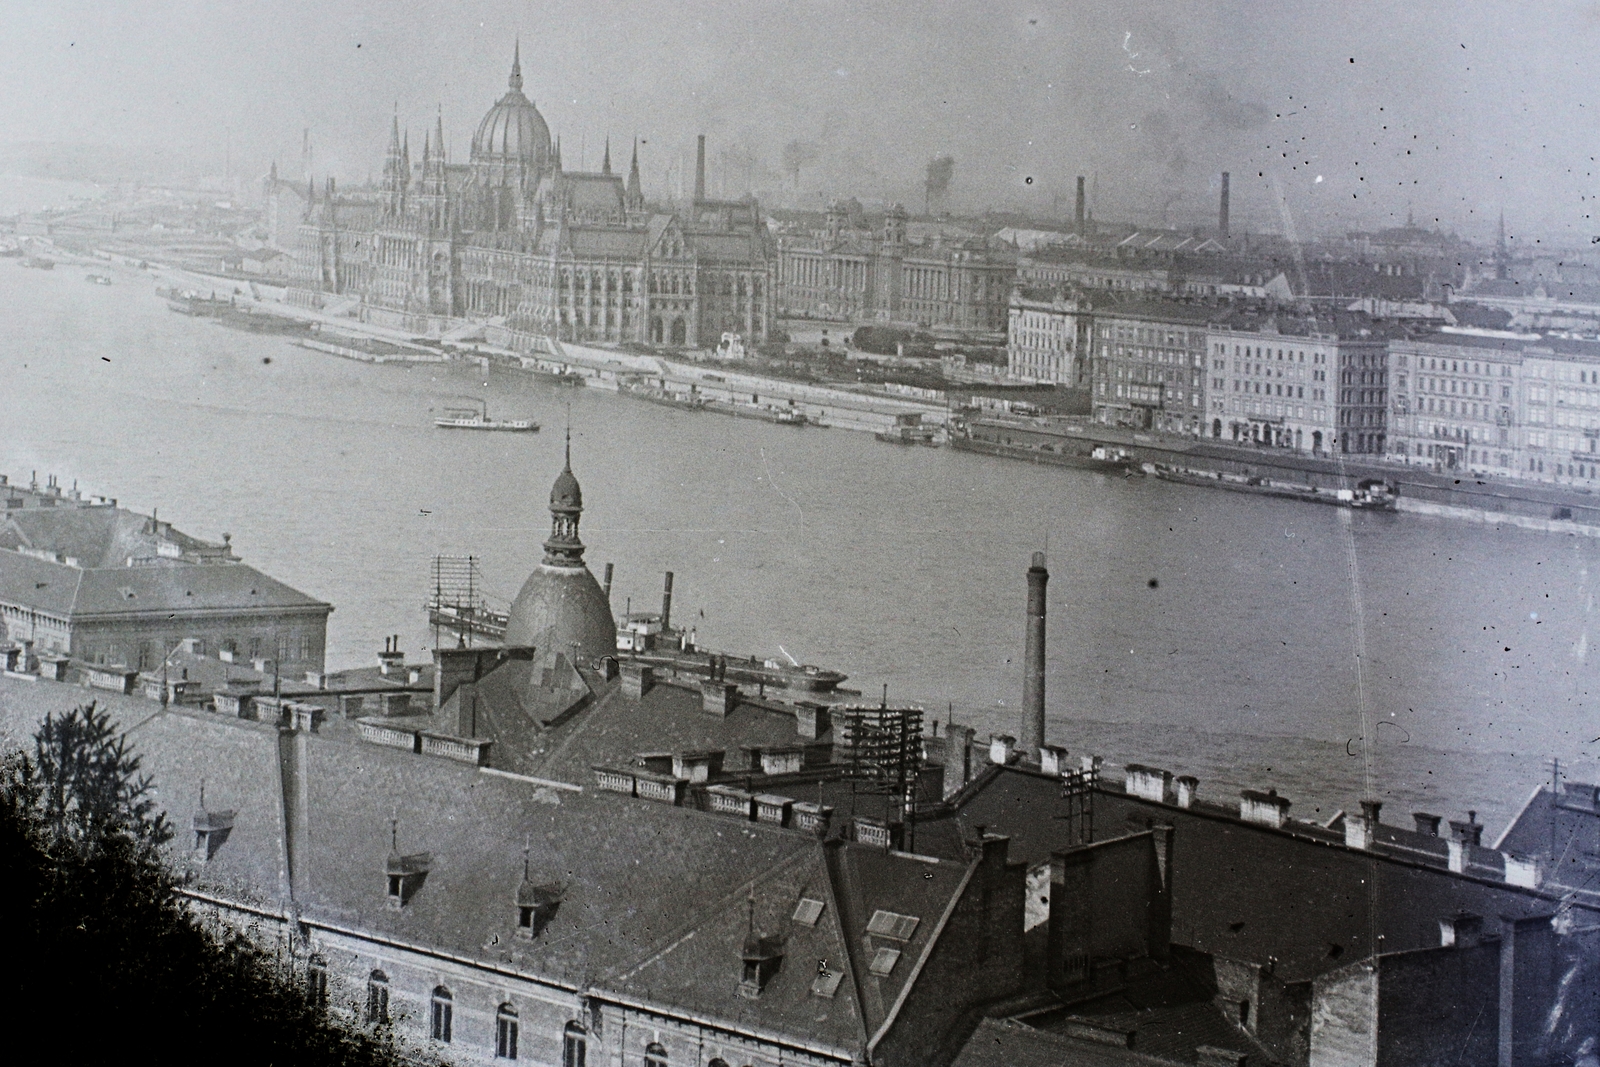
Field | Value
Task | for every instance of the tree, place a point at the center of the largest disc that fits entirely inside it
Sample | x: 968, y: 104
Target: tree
x: 106, y: 953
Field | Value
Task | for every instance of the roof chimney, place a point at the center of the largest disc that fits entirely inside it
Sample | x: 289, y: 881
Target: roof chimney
x: 1222, y: 212
x: 700, y: 169
x: 1077, y: 215
x: 1426, y: 824
x: 666, y: 604
x: 1033, y: 678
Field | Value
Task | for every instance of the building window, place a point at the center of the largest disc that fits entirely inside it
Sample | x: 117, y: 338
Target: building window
x: 655, y: 1055
x: 377, y: 997
x: 574, y: 1045
x: 317, y: 982
x: 443, y: 1015
x: 505, y: 1033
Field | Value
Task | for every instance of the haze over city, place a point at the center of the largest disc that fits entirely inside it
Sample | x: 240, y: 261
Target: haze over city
x: 1328, y: 118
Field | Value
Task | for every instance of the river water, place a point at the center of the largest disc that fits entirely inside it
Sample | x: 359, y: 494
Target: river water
x: 1250, y: 641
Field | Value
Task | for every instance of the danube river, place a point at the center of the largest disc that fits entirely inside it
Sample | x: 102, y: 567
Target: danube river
x: 1252, y: 642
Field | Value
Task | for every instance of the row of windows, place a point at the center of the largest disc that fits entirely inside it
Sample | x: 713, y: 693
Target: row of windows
x: 441, y: 1021
x: 1283, y: 355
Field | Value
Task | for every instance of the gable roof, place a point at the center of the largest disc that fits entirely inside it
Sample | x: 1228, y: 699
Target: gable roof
x: 653, y: 899
x: 1323, y: 904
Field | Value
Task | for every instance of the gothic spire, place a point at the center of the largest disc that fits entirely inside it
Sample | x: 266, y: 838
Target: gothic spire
x: 635, y: 187
x: 605, y: 164
x: 438, y: 132
x: 558, y: 154
x: 515, y: 81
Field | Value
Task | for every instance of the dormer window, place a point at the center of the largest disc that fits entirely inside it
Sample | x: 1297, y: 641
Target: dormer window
x: 536, y: 906
x: 405, y: 876
x: 211, y: 829
x: 761, y: 957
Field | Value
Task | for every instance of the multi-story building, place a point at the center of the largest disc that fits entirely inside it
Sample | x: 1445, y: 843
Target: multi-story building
x: 1049, y: 335
x: 1493, y: 402
x: 851, y: 274
x: 1149, y: 366
x: 1314, y: 385
x: 106, y: 586
x: 514, y: 237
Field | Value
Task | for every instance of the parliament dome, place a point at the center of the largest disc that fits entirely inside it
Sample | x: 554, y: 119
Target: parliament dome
x: 513, y: 132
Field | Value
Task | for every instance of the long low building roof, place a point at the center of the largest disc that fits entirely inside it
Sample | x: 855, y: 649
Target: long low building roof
x: 180, y: 588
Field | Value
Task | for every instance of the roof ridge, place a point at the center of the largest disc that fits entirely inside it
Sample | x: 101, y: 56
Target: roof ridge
x: 682, y: 933
x: 927, y: 950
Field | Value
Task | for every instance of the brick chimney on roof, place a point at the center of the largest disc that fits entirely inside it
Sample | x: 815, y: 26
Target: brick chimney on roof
x: 1033, y: 655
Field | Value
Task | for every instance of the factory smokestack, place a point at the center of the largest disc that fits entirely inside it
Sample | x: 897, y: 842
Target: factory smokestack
x: 1077, y: 217
x: 606, y: 588
x: 666, y: 603
x: 1222, y: 212
x: 1033, y: 680
x: 700, y: 169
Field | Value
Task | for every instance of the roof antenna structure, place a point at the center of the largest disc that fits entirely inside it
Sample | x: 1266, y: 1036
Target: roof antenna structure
x: 394, y: 834
x: 527, y: 843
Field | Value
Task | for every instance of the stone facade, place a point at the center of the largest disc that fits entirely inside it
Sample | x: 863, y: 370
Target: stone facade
x: 513, y: 238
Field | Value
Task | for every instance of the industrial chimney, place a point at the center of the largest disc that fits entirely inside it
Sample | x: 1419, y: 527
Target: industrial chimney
x: 1033, y: 680
x: 666, y: 604
x: 606, y: 587
x: 1222, y: 212
x: 1078, y: 213
x: 700, y: 170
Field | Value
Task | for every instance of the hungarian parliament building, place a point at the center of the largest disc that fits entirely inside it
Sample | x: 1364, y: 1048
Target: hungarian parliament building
x: 513, y: 238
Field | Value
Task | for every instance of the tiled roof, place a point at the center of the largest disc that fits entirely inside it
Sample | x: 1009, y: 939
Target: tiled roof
x: 1006, y: 1043
x: 654, y: 899
x: 179, y: 588
x: 668, y: 719
x: 1248, y: 892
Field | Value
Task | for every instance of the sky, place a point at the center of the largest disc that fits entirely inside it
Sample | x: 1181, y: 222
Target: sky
x: 1328, y: 116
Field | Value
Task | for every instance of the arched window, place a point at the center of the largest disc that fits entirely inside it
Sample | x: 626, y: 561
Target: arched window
x: 443, y: 1014
x: 505, y: 1033
x: 317, y: 982
x: 574, y: 1045
x: 655, y: 1055
x: 377, y: 997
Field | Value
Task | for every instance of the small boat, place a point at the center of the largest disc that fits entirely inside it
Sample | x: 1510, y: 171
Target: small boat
x: 1371, y: 494
x: 98, y: 279
x: 39, y: 263
x: 665, y: 397
x: 478, y: 419
x: 783, y: 415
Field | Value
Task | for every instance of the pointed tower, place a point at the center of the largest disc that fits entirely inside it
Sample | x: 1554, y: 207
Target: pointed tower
x: 635, y: 190
x: 605, y: 164
x: 394, y: 170
x: 514, y: 83
x: 557, y: 156
x: 561, y: 607
x: 435, y: 191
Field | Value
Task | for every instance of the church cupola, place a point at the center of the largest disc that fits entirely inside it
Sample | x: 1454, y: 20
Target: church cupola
x: 564, y: 549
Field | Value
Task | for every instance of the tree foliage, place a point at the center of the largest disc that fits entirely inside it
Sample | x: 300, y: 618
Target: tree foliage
x: 108, y: 960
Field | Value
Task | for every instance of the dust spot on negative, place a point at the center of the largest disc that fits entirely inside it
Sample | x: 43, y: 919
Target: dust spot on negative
x: 1153, y: 583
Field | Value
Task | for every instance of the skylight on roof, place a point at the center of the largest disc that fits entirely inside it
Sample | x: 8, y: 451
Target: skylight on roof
x: 826, y: 984
x: 808, y: 911
x: 892, y: 924
x: 883, y: 961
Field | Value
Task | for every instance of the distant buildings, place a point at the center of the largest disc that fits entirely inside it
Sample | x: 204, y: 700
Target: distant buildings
x: 85, y: 579
x: 1149, y: 366
x: 850, y: 273
x: 514, y: 237
x: 1049, y: 337
x: 1524, y: 406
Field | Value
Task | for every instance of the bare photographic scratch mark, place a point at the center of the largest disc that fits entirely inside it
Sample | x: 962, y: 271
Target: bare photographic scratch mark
x: 1127, y: 39
x: 106, y: 358
x: 773, y: 481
